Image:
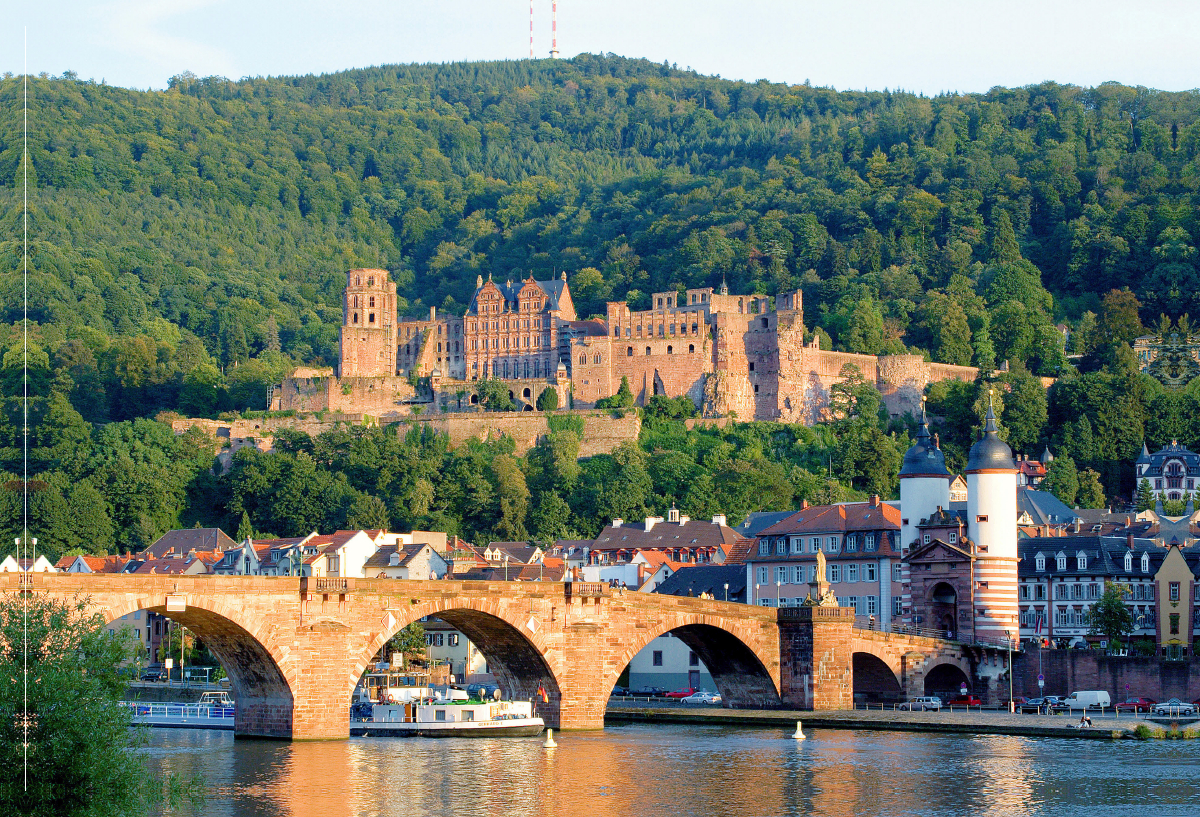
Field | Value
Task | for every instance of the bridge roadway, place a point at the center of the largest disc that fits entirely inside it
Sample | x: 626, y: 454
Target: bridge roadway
x: 294, y: 648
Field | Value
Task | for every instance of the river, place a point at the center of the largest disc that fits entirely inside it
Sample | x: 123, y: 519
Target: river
x: 678, y: 771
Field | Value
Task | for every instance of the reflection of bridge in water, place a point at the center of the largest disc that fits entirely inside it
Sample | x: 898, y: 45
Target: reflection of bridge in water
x: 295, y: 648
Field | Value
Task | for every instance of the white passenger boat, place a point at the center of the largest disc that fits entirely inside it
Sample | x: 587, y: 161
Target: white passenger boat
x: 451, y: 719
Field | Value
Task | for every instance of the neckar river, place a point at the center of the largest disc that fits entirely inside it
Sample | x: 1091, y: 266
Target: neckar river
x: 672, y: 771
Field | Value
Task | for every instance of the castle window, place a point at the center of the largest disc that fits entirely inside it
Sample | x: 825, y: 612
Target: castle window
x: 371, y: 301
x: 371, y: 317
x: 647, y: 350
x: 617, y: 332
x: 358, y: 280
x: 583, y: 360
x: 764, y: 323
x: 660, y: 303
x: 751, y: 365
x: 691, y: 348
x: 756, y: 388
x: 355, y: 317
x: 695, y: 328
x: 629, y: 352
x: 596, y: 360
x: 669, y: 350
x: 439, y: 348
x: 371, y: 281
x: 456, y: 346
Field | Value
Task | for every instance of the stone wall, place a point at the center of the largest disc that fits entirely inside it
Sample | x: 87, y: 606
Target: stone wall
x: 1067, y: 671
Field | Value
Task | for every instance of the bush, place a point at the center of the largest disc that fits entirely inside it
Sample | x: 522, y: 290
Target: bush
x: 1143, y: 732
x: 547, y: 400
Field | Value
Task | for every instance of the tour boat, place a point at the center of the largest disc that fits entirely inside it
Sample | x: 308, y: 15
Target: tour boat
x: 451, y: 719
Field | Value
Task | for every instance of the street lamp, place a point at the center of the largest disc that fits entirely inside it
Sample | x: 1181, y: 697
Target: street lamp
x: 726, y: 591
x: 777, y: 593
x: 1008, y: 641
x: 756, y: 592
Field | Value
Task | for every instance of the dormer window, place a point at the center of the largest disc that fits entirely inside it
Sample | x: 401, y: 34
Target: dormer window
x: 870, y: 541
x: 764, y: 548
x: 1129, y: 563
x: 1145, y: 562
x: 1081, y: 560
x: 851, y: 543
x: 394, y: 560
x: 1062, y: 561
x: 1040, y: 562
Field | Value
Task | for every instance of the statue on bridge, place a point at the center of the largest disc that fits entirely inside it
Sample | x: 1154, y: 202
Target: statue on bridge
x: 820, y: 594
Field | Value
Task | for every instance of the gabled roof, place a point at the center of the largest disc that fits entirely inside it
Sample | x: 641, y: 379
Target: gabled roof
x: 691, y: 534
x: 843, y: 517
x: 693, y: 580
x: 178, y: 544
x: 1043, y: 507
x: 383, y: 557
x: 757, y: 521
x: 956, y: 551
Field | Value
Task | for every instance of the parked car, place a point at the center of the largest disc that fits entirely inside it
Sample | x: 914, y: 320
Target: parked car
x: 1044, y: 704
x: 619, y: 692
x: 1135, y: 705
x: 154, y: 674
x: 648, y: 692
x: 965, y: 700
x: 926, y: 702
x: 361, y: 710
x: 1017, y: 702
x: 1173, y: 707
x: 702, y: 697
x: 680, y: 694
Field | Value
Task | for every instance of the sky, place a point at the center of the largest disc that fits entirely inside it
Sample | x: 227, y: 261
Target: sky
x: 929, y: 46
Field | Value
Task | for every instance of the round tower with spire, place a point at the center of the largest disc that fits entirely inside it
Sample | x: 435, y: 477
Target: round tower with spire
x: 924, y: 487
x: 992, y: 527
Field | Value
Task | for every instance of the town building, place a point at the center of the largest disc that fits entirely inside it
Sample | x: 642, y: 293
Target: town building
x: 407, y: 562
x: 38, y: 564
x: 1172, y: 472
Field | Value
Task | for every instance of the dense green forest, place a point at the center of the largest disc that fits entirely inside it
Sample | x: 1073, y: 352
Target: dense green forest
x: 188, y: 248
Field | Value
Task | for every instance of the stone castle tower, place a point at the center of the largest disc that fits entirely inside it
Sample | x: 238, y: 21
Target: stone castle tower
x: 368, y: 342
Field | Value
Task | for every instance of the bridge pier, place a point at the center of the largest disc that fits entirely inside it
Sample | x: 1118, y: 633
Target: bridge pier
x: 816, y: 657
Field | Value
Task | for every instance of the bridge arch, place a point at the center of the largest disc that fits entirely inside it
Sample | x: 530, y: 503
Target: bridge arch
x: 253, y: 661
x: 738, y: 670
x: 945, y: 678
x: 875, y: 679
x: 515, y: 648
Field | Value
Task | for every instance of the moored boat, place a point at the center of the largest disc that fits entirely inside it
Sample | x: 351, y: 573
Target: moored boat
x: 451, y: 718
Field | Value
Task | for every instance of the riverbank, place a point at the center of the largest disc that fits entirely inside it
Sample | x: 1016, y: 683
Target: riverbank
x: 973, y: 723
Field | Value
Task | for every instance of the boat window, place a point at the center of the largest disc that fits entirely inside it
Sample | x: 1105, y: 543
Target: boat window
x: 439, y: 715
x: 468, y: 715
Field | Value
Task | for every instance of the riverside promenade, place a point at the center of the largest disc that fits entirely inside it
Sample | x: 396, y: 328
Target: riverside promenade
x: 975, y: 722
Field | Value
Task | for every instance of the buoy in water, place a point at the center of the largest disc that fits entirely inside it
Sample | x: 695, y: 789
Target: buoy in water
x: 549, y: 743
x: 799, y: 732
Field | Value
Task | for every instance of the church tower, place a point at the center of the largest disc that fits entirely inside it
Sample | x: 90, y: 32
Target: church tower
x: 924, y: 487
x: 992, y: 526
x: 368, y: 342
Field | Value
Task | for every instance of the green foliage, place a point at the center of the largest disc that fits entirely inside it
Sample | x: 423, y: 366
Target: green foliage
x: 81, y: 758
x: 1108, y: 616
x: 1062, y: 480
x: 622, y: 399
x: 1145, y: 496
x: 548, y: 399
x: 409, y: 641
x: 566, y: 422
x: 494, y: 395
x: 1091, y: 493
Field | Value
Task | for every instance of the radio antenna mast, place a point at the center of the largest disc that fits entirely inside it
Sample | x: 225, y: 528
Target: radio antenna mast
x: 553, y: 29
x: 530, y: 29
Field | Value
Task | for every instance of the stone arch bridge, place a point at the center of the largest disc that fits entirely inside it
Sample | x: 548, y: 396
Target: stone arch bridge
x: 294, y: 648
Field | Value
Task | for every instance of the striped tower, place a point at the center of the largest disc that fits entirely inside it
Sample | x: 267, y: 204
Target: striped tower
x: 924, y: 487
x: 992, y: 523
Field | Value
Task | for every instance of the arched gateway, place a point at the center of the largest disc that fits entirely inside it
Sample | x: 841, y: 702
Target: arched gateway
x: 295, y: 648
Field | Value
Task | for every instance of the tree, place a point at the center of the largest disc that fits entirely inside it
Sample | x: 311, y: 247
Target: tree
x: 548, y: 399
x: 1062, y: 480
x: 1091, y: 492
x: 1109, y: 617
x: 1145, y: 496
x: 494, y: 395
x: 80, y: 758
x: 409, y: 642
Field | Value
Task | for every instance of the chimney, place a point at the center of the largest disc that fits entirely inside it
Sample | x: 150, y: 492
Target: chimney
x: 432, y: 314
x: 1129, y: 540
x: 1075, y: 526
x: 683, y: 520
x: 874, y: 500
x: 651, y: 521
x: 804, y: 504
x: 719, y: 519
x: 618, y: 523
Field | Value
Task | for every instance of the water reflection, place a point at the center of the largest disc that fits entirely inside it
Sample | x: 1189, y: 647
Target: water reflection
x: 678, y: 771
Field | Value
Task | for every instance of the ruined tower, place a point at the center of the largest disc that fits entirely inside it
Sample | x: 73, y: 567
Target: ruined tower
x: 368, y: 342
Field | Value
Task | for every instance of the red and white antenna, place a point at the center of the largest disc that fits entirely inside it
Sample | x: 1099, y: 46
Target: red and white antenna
x: 553, y: 29
x: 530, y: 29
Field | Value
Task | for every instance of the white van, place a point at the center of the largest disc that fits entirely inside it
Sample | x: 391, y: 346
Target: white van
x: 1086, y: 699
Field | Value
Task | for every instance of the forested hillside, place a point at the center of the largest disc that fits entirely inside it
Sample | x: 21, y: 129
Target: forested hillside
x: 188, y: 247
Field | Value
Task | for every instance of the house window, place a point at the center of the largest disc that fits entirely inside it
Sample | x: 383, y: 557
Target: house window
x: 1128, y: 562
x: 798, y: 572
x: 1145, y: 562
x: 981, y: 518
x: 762, y: 575
x: 781, y: 575
x: 453, y: 639
x: 1040, y: 562
x: 1062, y: 561
x: 852, y: 601
x: 693, y: 659
x: 1174, y: 591
x: 851, y: 573
x: 835, y: 573
x: 870, y: 541
x: 781, y: 546
x: 647, y: 351
x: 1093, y: 591
x: 896, y: 573
x: 831, y: 546
x: 869, y: 572
x: 1039, y: 592
x: 897, y: 606
x: 814, y: 544
x: 953, y: 537
x: 926, y: 539
x: 1081, y: 561
x: 1174, y: 623
x: 797, y: 544
x: 851, y: 543
x: 764, y: 547
x: 1024, y: 592
x: 656, y: 660
x: 872, y: 605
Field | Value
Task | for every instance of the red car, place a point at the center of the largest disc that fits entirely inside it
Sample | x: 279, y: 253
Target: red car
x: 965, y: 700
x: 681, y: 693
x: 1135, y: 705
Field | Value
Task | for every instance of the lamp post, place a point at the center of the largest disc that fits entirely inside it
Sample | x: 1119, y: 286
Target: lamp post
x: 756, y: 592
x: 1008, y: 641
x: 726, y: 591
x: 777, y: 590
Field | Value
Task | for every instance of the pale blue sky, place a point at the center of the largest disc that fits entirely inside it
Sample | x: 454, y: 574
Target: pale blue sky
x: 921, y: 45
